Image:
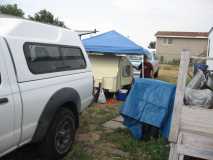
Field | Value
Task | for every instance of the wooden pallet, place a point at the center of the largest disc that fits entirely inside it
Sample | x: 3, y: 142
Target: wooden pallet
x: 192, y: 126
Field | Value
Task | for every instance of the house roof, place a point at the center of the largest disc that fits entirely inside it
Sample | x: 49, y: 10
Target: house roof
x: 182, y: 34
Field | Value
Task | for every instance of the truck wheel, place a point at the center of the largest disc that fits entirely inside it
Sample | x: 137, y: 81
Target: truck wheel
x: 60, y: 136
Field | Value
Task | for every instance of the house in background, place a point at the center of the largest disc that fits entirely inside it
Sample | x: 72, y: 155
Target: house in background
x: 210, y: 49
x: 170, y: 44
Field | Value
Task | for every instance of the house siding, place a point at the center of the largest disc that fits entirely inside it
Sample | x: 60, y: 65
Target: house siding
x: 210, y: 50
x: 171, y: 52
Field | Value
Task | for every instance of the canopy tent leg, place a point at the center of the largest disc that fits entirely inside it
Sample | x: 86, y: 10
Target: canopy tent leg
x: 142, y: 62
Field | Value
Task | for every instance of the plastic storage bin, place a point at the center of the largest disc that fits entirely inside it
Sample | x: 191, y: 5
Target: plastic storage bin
x: 121, y: 95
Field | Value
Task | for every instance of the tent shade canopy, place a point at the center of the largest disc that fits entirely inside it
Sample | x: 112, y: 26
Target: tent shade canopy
x: 112, y: 42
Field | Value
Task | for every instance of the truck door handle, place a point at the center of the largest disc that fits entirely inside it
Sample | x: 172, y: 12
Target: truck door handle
x: 4, y: 100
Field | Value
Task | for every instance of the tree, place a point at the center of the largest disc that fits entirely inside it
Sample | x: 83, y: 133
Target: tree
x: 152, y: 45
x: 12, y: 9
x: 45, y: 16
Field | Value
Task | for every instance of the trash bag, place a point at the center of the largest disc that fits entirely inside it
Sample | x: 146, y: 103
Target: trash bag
x: 101, y: 98
x: 203, y: 98
x: 196, y: 92
x: 198, y: 81
x: 200, y: 66
x: 209, y: 82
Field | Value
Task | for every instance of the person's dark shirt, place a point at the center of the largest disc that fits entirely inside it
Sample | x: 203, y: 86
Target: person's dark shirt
x: 148, y: 68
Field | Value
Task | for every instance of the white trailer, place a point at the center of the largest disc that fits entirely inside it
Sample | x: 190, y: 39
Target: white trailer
x: 112, y: 71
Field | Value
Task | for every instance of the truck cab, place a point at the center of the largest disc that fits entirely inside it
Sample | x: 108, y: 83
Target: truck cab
x: 45, y: 82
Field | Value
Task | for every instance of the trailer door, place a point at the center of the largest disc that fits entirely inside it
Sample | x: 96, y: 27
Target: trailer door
x: 126, y: 72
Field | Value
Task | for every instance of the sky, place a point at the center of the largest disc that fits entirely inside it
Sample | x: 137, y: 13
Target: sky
x: 137, y: 19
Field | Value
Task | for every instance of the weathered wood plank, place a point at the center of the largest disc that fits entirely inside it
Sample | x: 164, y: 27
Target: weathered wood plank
x: 202, y: 58
x: 182, y: 75
x: 181, y: 157
x: 197, y: 141
x: 195, y: 152
x: 173, y: 155
x: 197, y: 119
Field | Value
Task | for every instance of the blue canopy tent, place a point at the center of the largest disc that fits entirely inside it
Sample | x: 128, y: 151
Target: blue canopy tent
x: 112, y: 42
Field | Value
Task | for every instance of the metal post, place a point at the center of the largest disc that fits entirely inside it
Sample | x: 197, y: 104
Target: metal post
x: 142, y: 62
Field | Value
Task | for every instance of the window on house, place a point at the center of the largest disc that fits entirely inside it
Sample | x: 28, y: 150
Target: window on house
x: 167, y: 40
x: 162, y: 59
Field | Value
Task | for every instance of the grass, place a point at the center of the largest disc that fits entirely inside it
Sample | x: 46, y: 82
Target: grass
x: 78, y: 153
x: 168, y: 73
x: 89, y: 145
x: 94, y: 142
x: 138, y: 150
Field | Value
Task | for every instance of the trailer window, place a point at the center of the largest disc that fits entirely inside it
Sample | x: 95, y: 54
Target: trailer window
x: 126, y: 71
x: 43, y: 58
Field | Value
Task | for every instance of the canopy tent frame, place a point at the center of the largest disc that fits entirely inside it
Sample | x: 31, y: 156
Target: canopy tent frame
x: 114, y: 43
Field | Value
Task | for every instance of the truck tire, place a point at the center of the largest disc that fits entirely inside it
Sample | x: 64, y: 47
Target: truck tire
x: 60, y: 136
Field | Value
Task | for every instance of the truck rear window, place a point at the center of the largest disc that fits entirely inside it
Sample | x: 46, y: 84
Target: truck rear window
x: 44, y: 58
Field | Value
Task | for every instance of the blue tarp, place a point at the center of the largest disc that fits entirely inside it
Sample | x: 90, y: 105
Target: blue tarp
x: 151, y: 102
x: 112, y: 43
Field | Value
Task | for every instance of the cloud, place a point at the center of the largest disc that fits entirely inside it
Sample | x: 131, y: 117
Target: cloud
x: 128, y: 5
x: 101, y: 24
x: 139, y: 19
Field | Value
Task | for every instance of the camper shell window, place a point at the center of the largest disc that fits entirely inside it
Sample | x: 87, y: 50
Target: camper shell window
x: 73, y: 57
x: 46, y: 58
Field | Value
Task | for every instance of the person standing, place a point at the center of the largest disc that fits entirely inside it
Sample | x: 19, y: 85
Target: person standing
x: 148, y: 68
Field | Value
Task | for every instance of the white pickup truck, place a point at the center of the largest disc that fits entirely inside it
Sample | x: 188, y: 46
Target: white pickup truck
x: 45, y: 82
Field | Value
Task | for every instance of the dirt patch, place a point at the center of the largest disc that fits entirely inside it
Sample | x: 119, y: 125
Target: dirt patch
x: 88, y: 137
